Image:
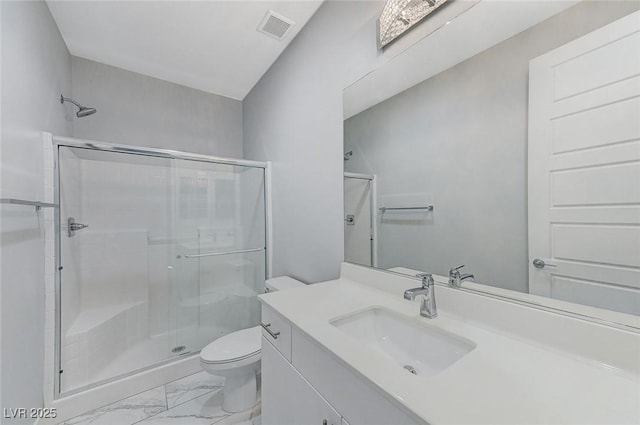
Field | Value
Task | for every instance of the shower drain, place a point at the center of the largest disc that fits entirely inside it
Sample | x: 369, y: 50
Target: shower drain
x: 411, y: 369
x: 178, y: 349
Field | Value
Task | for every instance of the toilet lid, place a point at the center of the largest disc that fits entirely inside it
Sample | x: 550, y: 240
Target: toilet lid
x: 235, y: 346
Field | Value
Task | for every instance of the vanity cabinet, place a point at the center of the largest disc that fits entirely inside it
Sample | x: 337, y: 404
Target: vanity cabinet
x: 287, y: 398
x: 303, y: 384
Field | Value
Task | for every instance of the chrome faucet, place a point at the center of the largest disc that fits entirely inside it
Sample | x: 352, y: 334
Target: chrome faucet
x: 455, y: 278
x: 428, y: 305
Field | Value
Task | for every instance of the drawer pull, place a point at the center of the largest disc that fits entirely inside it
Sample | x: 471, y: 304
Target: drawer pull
x: 273, y: 334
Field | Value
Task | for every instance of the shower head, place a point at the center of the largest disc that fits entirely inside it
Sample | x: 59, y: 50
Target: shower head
x: 347, y: 155
x: 83, y: 111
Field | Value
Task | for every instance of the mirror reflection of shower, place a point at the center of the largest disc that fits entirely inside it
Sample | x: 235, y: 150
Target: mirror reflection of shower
x: 83, y: 111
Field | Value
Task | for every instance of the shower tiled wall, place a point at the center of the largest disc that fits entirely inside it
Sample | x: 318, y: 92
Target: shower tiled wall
x: 96, y: 340
x: 71, y: 252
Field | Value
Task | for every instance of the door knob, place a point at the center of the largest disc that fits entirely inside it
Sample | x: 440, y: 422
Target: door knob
x: 540, y: 264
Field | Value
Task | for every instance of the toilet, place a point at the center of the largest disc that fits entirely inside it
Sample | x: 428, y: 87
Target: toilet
x: 236, y: 356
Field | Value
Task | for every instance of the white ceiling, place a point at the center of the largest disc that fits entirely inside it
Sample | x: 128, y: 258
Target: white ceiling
x: 207, y: 45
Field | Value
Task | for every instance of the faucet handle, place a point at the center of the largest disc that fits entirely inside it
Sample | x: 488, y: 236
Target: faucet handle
x: 455, y: 269
x: 427, y: 279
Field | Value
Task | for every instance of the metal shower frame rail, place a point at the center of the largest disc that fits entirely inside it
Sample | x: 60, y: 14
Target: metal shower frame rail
x: 37, y: 204
x: 163, y: 153
x: 60, y: 141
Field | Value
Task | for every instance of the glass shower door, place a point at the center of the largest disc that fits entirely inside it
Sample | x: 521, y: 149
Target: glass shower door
x: 159, y: 256
x: 220, y: 257
x: 114, y: 218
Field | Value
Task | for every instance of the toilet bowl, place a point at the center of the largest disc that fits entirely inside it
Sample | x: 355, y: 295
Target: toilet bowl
x: 236, y: 357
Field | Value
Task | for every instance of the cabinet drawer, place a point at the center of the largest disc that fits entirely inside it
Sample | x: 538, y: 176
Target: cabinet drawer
x: 277, y: 331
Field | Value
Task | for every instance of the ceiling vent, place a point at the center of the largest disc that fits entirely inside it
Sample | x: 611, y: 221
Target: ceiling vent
x: 274, y: 25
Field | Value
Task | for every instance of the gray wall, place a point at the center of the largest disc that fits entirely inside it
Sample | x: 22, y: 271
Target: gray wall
x: 135, y: 109
x: 459, y: 141
x: 293, y: 117
x: 36, y: 68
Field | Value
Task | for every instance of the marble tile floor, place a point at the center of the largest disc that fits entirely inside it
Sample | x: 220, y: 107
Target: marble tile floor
x: 193, y: 400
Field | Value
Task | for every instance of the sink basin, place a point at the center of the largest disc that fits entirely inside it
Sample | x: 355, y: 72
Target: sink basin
x: 419, y: 348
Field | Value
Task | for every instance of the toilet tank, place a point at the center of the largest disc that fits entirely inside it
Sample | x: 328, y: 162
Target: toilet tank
x: 281, y: 283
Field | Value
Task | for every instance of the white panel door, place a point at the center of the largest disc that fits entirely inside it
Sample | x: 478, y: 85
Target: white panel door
x: 584, y: 169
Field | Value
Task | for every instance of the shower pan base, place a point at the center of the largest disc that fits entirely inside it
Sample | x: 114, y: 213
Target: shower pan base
x: 75, y: 403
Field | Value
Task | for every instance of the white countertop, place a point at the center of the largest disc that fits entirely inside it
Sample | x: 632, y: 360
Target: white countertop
x: 506, y: 379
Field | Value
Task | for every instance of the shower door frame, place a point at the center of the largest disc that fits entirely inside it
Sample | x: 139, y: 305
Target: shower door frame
x: 70, y: 142
x: 373, y: 212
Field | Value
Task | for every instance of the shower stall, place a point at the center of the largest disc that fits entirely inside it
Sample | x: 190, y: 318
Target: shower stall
x: 158, y: 254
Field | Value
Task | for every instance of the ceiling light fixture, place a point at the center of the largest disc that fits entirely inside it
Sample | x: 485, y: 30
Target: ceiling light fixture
x: 398, y: 16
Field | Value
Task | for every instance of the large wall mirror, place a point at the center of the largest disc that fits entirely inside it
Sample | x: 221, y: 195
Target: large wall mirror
x: 525, y: 152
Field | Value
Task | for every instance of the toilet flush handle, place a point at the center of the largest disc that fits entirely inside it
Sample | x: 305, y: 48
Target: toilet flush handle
x: 273, y: 334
